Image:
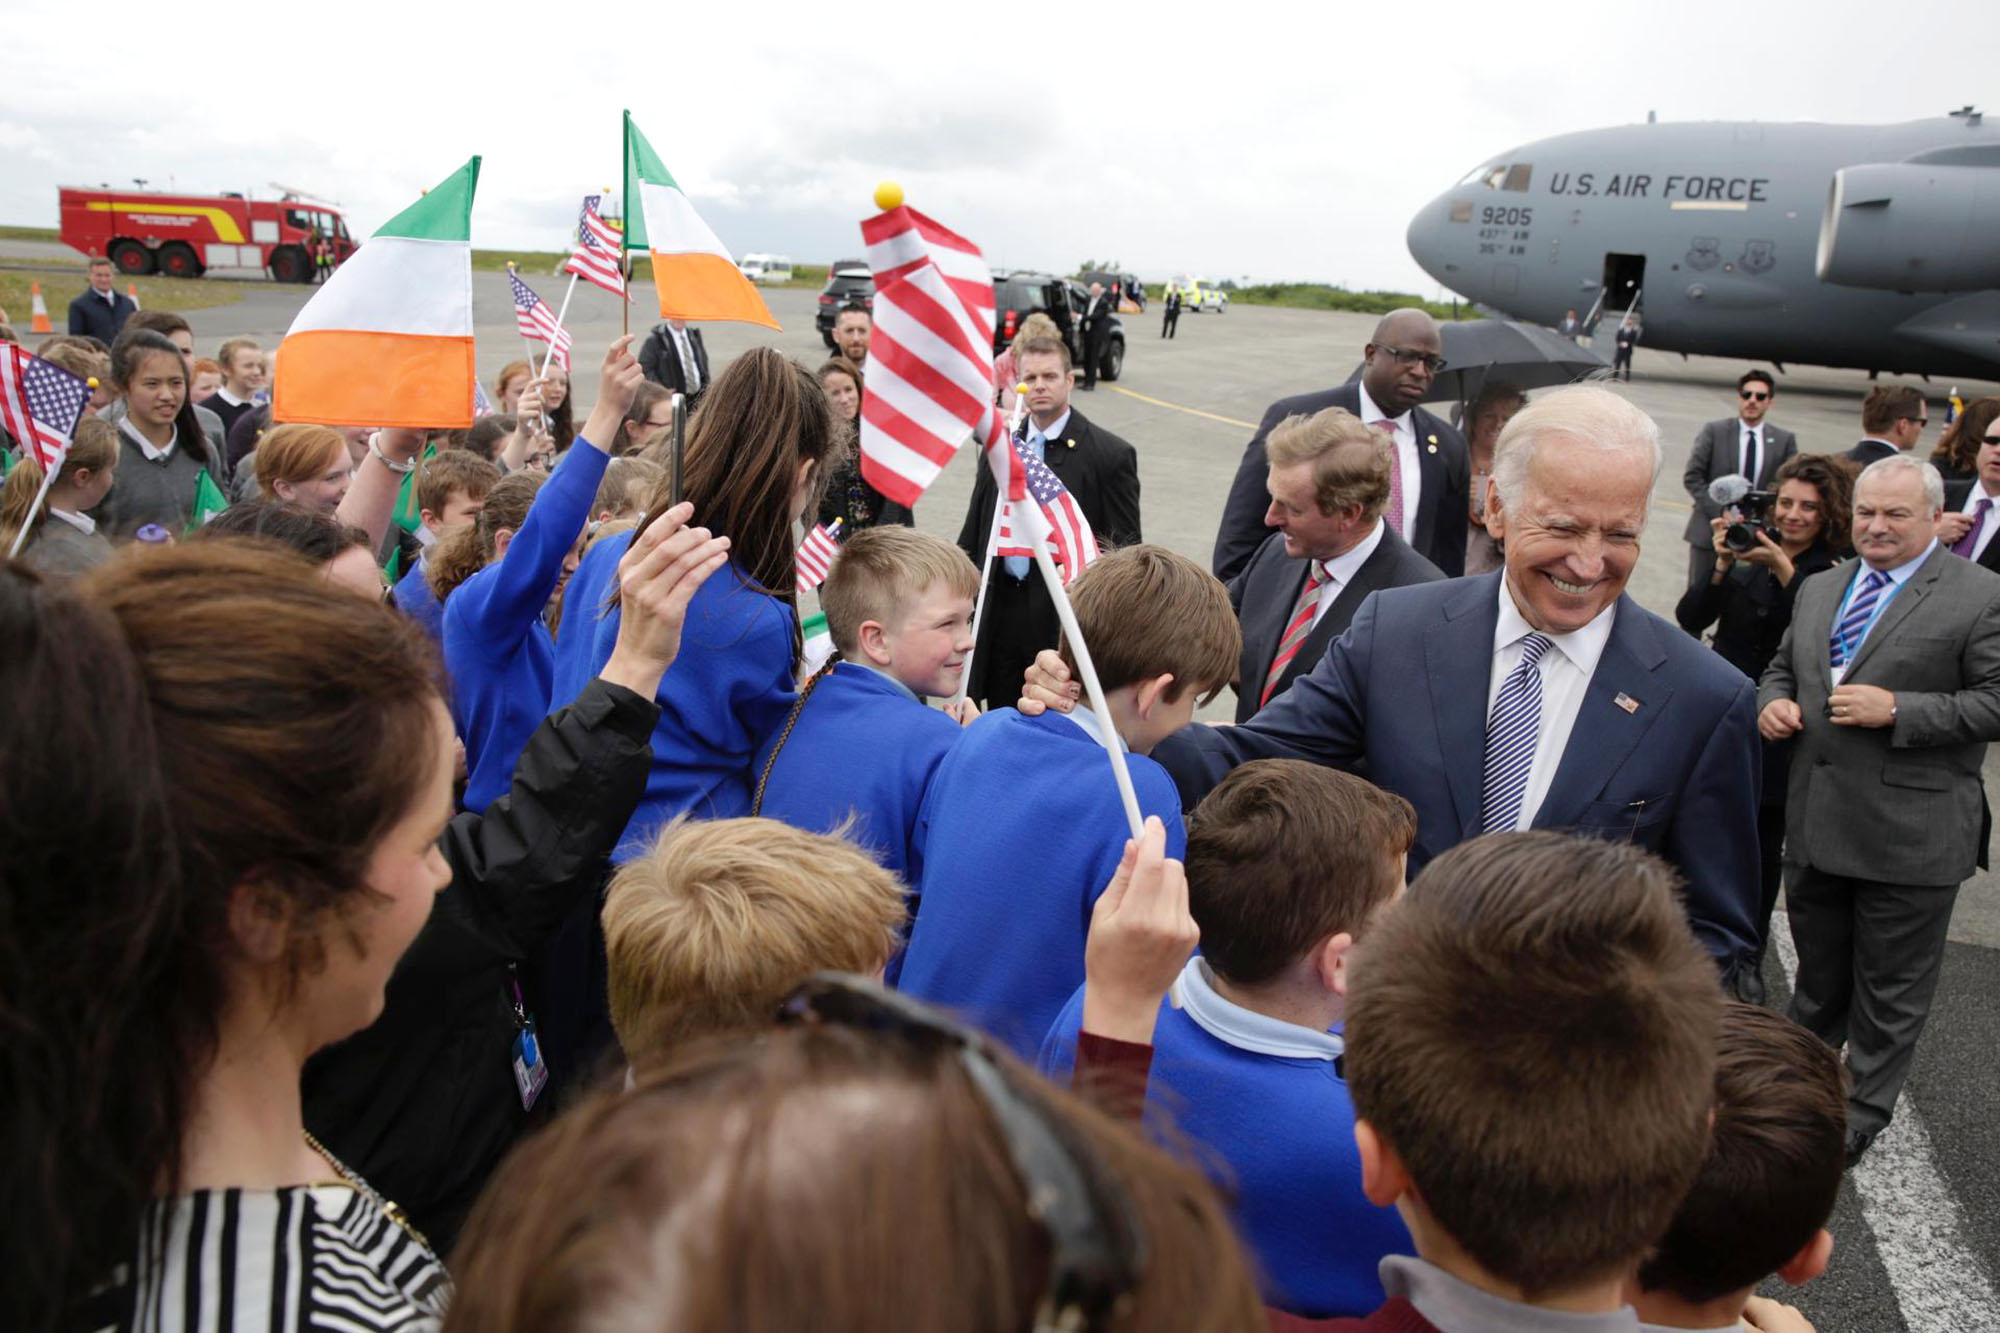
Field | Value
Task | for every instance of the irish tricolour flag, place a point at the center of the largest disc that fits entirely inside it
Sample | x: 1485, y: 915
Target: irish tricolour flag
x: 388, y: 340
x: 696, y: 277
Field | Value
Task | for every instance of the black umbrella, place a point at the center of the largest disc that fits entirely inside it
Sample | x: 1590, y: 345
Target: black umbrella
x: 1477, y: 352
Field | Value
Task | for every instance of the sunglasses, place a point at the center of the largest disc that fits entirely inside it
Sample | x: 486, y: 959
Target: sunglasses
x: 1990, y: 439
x: 1093, y: 1231
x: 1753, y: 396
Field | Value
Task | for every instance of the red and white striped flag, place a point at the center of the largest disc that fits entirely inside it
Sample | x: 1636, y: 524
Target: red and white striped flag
x: 595, y: 258
x: 930, y: 357
x: 1032, y: 485
x: 40, y: 405
x: 816, y: 555
x: 535, y: 320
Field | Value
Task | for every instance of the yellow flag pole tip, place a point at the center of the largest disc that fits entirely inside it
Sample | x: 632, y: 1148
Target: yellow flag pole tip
x: 888, y: 195
x: 92, y: 381
x: 1020, y: 388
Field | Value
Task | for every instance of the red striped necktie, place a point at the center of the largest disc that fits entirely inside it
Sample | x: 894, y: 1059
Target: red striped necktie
x: 1394, y: 511
x: 1296, y: 630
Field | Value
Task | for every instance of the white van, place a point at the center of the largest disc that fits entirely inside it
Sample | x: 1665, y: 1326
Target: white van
x: 766, y: 268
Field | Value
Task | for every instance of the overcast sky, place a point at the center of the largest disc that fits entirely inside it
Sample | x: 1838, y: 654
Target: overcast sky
x: 1276, y: 141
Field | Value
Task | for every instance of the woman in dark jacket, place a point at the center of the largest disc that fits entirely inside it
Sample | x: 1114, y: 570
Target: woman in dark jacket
x: 848, y: 496
x: 1749, y: 601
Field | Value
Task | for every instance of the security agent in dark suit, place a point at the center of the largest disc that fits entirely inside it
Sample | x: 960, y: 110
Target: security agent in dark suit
x: 1433, y: 469
x: 100, y: 312
x: 1097, y: 313
x: 1329, y: 482
x: 1097, y: 468
x: 1538, y: 697
x: 1972, y: 508
x: 1888, y: 684
x: 1893, y: 417
x: 673, y: 356
x: 1745, y: 445
x: 1170, y: 321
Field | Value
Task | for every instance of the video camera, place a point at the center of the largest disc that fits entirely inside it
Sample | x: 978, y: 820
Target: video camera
x: 1753, y: 511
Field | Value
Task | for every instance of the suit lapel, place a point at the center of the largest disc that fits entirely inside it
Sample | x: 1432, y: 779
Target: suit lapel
x: 1430, y: 479
x: 1271, y: 630
x: 1371, y: 577
x: 1059, y: 455
x: 1606, y: 732
x: 1458, y: 659
x: 1900, y: 606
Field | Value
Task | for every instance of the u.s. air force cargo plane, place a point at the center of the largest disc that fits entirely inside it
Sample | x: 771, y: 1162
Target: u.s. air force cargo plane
x: 1869, y: 246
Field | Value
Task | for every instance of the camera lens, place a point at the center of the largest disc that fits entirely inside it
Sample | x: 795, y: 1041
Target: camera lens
x: 1740, y: 537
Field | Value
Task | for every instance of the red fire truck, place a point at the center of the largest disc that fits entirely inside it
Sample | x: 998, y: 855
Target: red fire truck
x: 185, y: 235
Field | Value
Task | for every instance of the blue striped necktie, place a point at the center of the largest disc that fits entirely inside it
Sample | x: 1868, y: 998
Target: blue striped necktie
x: 1511, y: 731
x: 1853, y: 626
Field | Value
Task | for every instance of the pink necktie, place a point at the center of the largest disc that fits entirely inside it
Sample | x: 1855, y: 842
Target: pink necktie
x: 1395, y: 511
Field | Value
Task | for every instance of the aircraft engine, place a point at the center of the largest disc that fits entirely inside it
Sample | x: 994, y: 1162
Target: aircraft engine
x: 1912, y: 227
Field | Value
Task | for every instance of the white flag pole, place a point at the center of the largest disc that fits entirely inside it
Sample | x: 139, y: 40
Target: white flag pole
x: 41, y: 494
x: 1029, y: 515
x: 986, y: 566
x: 561, y: 315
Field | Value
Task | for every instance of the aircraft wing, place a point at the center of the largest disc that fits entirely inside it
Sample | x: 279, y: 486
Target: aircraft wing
x: 1969, y: 325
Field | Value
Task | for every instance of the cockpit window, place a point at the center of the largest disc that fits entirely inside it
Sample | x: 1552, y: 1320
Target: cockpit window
x: 1500, y: 176
x: 1488, y: 175
x: 1518, y: 176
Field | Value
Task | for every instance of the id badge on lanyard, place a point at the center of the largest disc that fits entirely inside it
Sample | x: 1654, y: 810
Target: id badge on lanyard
x: 531, y: 1071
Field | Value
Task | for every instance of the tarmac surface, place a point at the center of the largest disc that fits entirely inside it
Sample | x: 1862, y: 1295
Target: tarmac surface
x: 1918, y: 1224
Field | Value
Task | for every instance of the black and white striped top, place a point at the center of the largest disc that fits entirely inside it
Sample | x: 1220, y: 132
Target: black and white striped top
x: 327, y: 1258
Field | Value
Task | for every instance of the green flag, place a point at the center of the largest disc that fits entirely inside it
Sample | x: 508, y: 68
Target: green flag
x: 641, y: 163
x: 208, y: 502
x: 408, y: 515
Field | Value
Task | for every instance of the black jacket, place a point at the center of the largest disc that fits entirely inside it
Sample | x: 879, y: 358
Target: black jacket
x: 1445, y: 466
x: 1749, y: 608
x: 423, y: 1103
x: 660, y: 360
x: 91, y: 316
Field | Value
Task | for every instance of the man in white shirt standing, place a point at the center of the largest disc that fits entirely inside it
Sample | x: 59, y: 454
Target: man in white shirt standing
x: 1329, y: 486
x: 1537, y: 697
x: 1972, y: 508
x: 1745, y: 445
x: 675, y: 358
x: 1430, y: 472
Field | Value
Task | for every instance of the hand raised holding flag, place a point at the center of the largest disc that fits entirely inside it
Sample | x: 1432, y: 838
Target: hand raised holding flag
x: 617, y: 385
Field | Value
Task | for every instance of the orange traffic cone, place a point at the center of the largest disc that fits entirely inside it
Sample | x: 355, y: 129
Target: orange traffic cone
x: 132, y: 290
x: 41, y: 311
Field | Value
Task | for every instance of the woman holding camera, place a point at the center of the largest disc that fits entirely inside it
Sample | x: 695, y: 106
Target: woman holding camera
x: 1749, y: 601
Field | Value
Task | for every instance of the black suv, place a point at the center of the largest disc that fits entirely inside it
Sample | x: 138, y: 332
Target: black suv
x: 847, y: 281
x: 1020, y: 294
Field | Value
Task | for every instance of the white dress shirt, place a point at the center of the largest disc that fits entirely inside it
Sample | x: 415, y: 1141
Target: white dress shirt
x: 1404, y: 428
x: 83, y: 523
x: 155, y: 455
x: 1340, y: 570
x: 1987, y: 524
x: 1749, y: 450
x: 1565, y: 674
x: 690, y: 368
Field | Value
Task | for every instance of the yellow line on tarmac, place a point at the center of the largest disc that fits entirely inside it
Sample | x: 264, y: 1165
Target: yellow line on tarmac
x: 1176, y: 407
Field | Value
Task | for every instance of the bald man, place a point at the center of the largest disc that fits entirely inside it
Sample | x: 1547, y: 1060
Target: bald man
x: 1431, y: 481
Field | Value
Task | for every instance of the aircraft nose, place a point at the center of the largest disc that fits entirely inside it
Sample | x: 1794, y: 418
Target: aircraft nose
x: 1429, y: 241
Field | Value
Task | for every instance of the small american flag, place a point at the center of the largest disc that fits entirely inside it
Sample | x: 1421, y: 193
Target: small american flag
x: 596, y: 256
x: 535, y: 320
x: 482, y: 401
x: 1023, y: 478
x: 816, y: 555
x: 40, y: 404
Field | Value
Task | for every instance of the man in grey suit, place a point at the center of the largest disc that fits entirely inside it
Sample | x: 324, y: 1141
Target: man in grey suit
x: 1745, y: 445
x: 1329, y: 482
x: 1889, y: 679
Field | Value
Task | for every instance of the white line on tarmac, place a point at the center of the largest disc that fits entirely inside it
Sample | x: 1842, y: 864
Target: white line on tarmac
x: 1913, y: 1214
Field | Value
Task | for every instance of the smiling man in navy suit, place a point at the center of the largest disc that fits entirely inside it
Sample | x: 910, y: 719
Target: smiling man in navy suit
x: 1537, y: 697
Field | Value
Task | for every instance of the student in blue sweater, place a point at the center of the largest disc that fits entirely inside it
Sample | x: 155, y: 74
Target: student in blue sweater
x: 757, y: 455
x: 1287, y: 863
x: 861, y: 743
x: 1023, y: 827
x: 451, y: 489
x: 497, y: 649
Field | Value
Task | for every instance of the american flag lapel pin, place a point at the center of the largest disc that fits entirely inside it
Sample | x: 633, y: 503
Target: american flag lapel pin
x: 1626, y: 702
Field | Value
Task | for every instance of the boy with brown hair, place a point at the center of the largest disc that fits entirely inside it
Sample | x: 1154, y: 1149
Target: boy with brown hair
x: 860, y: 745
x: 1288, y: 863
x: 1023, y: 825
x: 715, y: 924
x: 1760, y: 1202
x: 1531, y: 1045
x: 451, y: 490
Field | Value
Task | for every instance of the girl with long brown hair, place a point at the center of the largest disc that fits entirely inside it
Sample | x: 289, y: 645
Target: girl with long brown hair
x: 757, y: 454
x: 163, y: 450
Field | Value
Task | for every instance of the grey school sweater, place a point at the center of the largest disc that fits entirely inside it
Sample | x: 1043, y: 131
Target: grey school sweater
x: 149, y: 492
x: 60, y: 552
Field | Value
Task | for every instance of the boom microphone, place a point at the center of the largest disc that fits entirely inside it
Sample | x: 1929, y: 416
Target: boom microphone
x: 1726, y: 491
